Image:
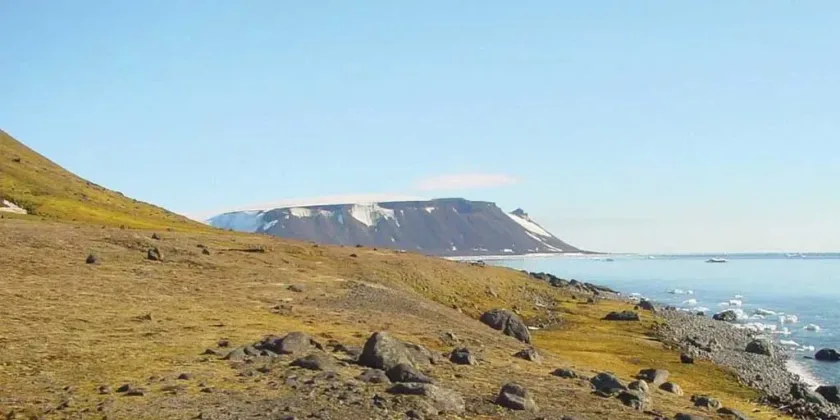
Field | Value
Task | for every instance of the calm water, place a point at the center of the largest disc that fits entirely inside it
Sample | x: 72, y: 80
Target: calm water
x: 807, y: 287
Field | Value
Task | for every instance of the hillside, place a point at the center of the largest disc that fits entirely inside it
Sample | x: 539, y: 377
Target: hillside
x: 443, y: 227
x: 35, y: 184
x: 136, y: 323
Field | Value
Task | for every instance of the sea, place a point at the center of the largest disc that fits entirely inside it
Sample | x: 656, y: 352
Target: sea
x: 794, y: 299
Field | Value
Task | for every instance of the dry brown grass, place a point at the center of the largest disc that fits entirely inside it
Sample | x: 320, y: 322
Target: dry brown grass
x: 66, y: 323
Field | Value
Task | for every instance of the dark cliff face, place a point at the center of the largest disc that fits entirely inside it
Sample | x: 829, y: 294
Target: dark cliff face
x: 447, y: 227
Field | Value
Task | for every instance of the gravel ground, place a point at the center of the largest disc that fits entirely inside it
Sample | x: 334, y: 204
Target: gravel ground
x: 725, y: 345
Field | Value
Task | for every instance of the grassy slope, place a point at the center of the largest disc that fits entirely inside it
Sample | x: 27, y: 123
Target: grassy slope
x: 49, y: 191
x: 68, y: 323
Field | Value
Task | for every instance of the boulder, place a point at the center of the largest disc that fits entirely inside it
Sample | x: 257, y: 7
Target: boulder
x: 441, y: 399
x: 565, y: 373
x: 672, y: 388
x: 653, y: 376
x: 802, y: 392
x: 508, y: 323
x: 607, y: 382
x: 830, y: 392
x: 404, y: 372
x: 686, y: 358
x: 384, y: 351
x: 374, y: 376
x: 516, y: 397
x: 622, y: 316
x: 731, y: 414
x: 154, y: 254
x: 706, y: 402
x: 462, y: 356
x: 827, y: 355
x: 635, y: 399
x: 727, y: 316
x: 292, y: 343
x: 647, y: 305
x: 639, y: 386
x: 315, y: 361
x: 530, y: 354
x: 760, y: 346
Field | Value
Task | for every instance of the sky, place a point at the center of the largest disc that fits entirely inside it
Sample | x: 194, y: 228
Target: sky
x: 644, y: 126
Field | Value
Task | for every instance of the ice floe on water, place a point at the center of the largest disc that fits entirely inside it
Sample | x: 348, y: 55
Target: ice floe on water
x: 690, y: 302
x: 761, y: 311
x: 789, y: 343
x: 736, y: 302
x: 788, y: 319
x: 681, y: 292
x: 812, y: 327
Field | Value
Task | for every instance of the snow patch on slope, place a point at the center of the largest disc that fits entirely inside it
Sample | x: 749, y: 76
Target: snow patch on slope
x: 430, y: 209
x: 370, y: 214
x: 9, y: 207
x: 268, y: 225
x: 529, y: 225
x: 245, y: 221
x: 300, y: 212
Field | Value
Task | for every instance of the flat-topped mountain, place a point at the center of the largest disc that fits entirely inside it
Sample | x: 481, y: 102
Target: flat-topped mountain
x: 447, y: 227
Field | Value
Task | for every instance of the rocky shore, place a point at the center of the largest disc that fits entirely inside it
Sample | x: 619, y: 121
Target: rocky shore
x: 758, y: 362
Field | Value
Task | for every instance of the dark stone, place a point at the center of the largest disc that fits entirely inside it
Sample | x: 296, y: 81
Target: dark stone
x: 124, y: 388
x: 155, y: 236
x: 635, y: 399
x: 727, y: 316
x: 687, y: 359
x: 706, y: 402
x: 462, y: 356
x: 223, y: 343
x: 730, y: 413
x: 296, y: 288
x: 530, y: 354
x: 516, y: 397
x: 622, y: 316
x: 92, y: 259
x: 353, y: 256
x: 672, y: 388
x: 607, y: 382
x: 565, y: 373
x: 291, y: 343
x: 682, y: 416
x: 639, y: 386
x: 185, y: 376
x: 404, y: 372
x: 154, y: 254
x: 802, y: 392
x: 827, y: 355
x: 383, y: 351
x: 205, y: 251
x: 315, y: 361
x: 374, y: 376
x: 508, y: 323
x: 647, y: 305
x: 135, y: 392
x: 441, y: 399
x: 830, y: 392
x: 759, y: 346
x: 237, y: 354
x: 104, y: 389
x: 653, y: 376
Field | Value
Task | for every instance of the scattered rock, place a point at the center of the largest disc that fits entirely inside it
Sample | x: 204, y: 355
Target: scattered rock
x: 516, y: 397
x: 802, y: 392
x: 827, y: 355
x: 831, y: 393
x: 565, y: 373
x: 185, y: 377
x: 705, y: 402
x: 607, y: 382
x: 635, y: 399
x: 383, y: 351
x: 404, y: 372
x: 374, y: 376
x: 154, y: 254
x: 730, y: 413
x: 155, y: 236
x: 223, y: 343
x: 441, y: 399
x: 462, y: 356
x: 760, y: 346
x: 104, y: 390
x: 354, y: 256
x: 647, y: 305
x: 352, y: 352
x: 682, y: 416
x: 205, y: 251
x: 291, y: 343
x: 639, y: 385
x: 449, y: 338
x: 508, y: 323
x: 135, y: 392
x: 124, y: 388
x: 653, y: 376
x: 727, y: 316
x: 236, y: 355
x: 622, y: 316
x: 92, y: 259
x: 530, y: 354
x: 672, y: 388
x: 295, y: 288
x: 315, y: 361
x: 686, y: 358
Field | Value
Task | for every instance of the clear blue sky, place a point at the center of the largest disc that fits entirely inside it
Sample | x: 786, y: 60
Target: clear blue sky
x: 622, y: 126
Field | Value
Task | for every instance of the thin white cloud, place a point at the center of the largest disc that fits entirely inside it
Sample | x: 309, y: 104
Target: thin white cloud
x: 464, y: 181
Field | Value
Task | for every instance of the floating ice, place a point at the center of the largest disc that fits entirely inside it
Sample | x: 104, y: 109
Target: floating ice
x: 677, y: 291
x: 739, y: 296
x: 790, y: 343
x: 689, y: 292
x: 690, y: 302
x: 735, y: 302
x: 812, y: 327
x: 788, y: 319
x: 761, y: 311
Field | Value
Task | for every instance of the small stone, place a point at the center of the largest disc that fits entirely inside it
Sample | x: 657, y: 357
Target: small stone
x: 353, y: 256
x: 530, y: 354
x: 622, y: 316
x: 296, y: 288
x: 672, y: 388
x: 441, y: 399
x: 730, y: 413
x: 205, y: 251
x: 154, y: 254
x: 565, y: 373
x: 653, y: 376
x: 639, y: 385
x: 516, y: 397
x: 687, y: 359
x: 104, y: 389
x: 135, y: 392
x: 647, y: 305
x: 406, y: 373
x: 706, y: 402
x: 185, y: 377
x: 223, y: 343
x: 607, y: 382
x: 374, y: 376
x: 124, y: 388
x: 155, y: 236
x: 315, y: 361
x: 635, y: 399
x: 92, y: 259
x: 462, y: 356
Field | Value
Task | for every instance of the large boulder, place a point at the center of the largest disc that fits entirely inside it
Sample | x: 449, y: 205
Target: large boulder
x: 607, y: 383
x: 830, y: 392
x: 292, y: 343
x: 508, y: 323
x: 315, y: 361
x: 727, y: 315
x: 462, y: 356
x: 622, y: 316
x: 384, y: 351
x: 639, y: 386
x: 827, y: 355
x: 672, y: 388
x: 760, y: 346
x: 565, y: 373
x: 653, y: 376
x: 516, y: 397
x: 635, y: 399
x: 441, y: 399
x: 647, y: 305
x: 802, y: 392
